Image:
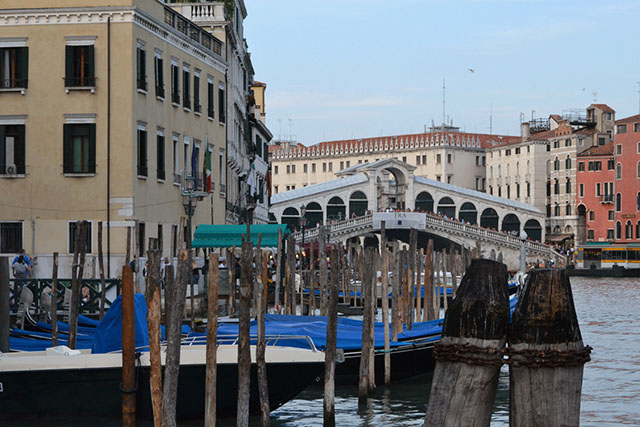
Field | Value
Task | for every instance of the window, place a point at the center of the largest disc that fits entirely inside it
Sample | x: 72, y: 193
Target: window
x: 141, y: 70
x: 14, y: 67
x: 330, y: 166
x: 567, y: 143
x: 293, y: 168
x: 197, y: 108
x: 142, y: 151
x: 186, y: 88
x: 12, y: 149
x: 499, y: 191
x: 438, y: 158
x: 548, y: 210
x: 508, y: 191
x: 518, y: 150
x: 348, y: 163
x: 221, y: 104
x: 628, y: 230
x: 160, y: 171
x: 275, y: 170
x: 438, y: 178
x: 590, y: 234
x: 619, y: 171
x: 175, y: 83
x: 612, y: 215
x: 72, y: 226
x: 449, y: 158
x: 638, y: 230
x: 556, y: 187
x: 176, y: 172
x: 404, y: 159
x: 210, y: 106
x: 528, y: 189
x: 10, y: 237
x: 580, y: 166
x: 556, y: 164
x: 499, y: 171
x: 159, y: 73
x: 619, y: 149
x: 598, y: 192
x: 222, y: 174
x: 638, y: 169
x: 548, y: 188
x: 517, y: 191
x: 556, y: 210
x: 618, y: 202
x: 79, y: 148
x: 449, y: 179
x: 324, y: 166
x: 592, y: 215
x: 288, y: 169
x: 610, y: 165
x: 275, y: 189
x: 568, y: 209
x: 141, y: 239
x: 601, y: 141
x: 636, y: 127
x: 618, y: 230
x: 609, y: 116
x: 610, y: 234
x: 313, y: 167
x: 79, y: 67
x: 567, y: 163
x: 304, y: 168
x: 556, y: 144
x: 622, y: 128
x: 581, y: 187
x: 424, y: 159
x: 417, y: 160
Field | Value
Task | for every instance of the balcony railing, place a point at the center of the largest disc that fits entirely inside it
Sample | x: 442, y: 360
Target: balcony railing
x: 606, y: 198
x: 186, y: 103
x: 175, y: 98
x: 197, y: 108
x: 160, y: 91
x: 76, y: 81
x: 13, y: 83
x: 142, y: 84
x: 160, y: 173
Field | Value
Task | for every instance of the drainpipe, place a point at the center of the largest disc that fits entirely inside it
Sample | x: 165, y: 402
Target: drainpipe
x: 108, y: 146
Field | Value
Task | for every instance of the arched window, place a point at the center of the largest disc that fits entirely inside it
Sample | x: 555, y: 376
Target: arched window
x: 556, y: 210
x: 517, y: 168
x: 567, y: 187
x: 508, y: 191
x: 618, y: 202
x: 556, y: 164
x: 618, y: 230
x: 527, y: 166
x: 628, y: 230
x: 638, y: 169
x: 556, y: 187
x: 638, y: 230
x: 499, y: 171
x: 567, y: 162
x: 619, y: 171
x: 491, y: 173
x: 567, y: 209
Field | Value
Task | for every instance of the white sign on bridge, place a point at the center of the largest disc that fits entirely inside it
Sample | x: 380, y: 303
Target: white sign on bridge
x: 399, y: 220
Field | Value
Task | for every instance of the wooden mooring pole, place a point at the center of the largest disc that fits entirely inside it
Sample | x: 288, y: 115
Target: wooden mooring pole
x: 154, y: 314
x: 322, y: 254
x: 54, y: 301
x: 128, y: 350
x: 330, y: 353
x: 103, y: 283
x: 547, y: 355
x: 212, y: 345
x: 468, y: 358
x: 76, y: 280
x: 4, y: 304
x: 244, y: 345
x: 364, y: 387
x: 384, y: 293
x: 261, y: 348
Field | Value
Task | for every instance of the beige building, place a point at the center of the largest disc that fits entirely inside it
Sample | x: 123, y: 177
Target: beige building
x: 448, y: 156
x: 105, y: 108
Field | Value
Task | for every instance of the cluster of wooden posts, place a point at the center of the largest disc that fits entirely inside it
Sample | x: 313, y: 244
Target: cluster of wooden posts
x: 541, y: 344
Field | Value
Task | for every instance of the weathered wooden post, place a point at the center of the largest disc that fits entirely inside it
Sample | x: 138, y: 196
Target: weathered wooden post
x: 278, y: 262
x: 367, y: 323
x: 263, y: 389
x: 152, y: 294
x: 396, y: 321
x: 291, y: 279
x: 385, y: 304
x: 468, y: 358
x: 244, y: 345
x: 312, y: 288
x: 330, y: 352
x: 411, y: 276
x: 418, y: 297
x: 232, y: 282
x: 428, y: 284
x: 452, y: 264
x: 128, y: 350
x: 174, y: 338
x: 4, y: 305
x: 54, y: 301
x: 212, y: 344
x: 324, y: 274
x: 76, y: 280
x: 103, y: 283
x: 547, y: 355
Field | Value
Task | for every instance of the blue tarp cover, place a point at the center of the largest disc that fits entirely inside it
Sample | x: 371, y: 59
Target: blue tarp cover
x: 108, y: 335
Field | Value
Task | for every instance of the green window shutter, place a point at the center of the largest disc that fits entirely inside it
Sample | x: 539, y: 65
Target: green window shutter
x: 20, y: 150
x: 3, y: 150
x: 143, y: 63
x: 91, y: 59
x: 92, y: 148
x: 24, y: 66
x: 161, y: 72
x: 68, y: 64
x: 67, y: 160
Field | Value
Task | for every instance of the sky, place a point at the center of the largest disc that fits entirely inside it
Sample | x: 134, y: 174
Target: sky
x: 342, y: 69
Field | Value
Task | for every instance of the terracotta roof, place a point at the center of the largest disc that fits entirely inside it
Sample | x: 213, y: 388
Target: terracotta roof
x: 586, y: 131
x: 598, y: 150
x: 631, y: 119
x: 603, y: 107
x: 257, y: 83
x: 557, y: 118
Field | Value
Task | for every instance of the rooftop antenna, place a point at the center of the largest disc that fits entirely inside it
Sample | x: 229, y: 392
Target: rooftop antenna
x: 443, y: 103
x: 290, y: 130
x: 491, y: 119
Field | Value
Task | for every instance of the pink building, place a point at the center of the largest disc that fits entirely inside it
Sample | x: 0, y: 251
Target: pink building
x: 626, y: 153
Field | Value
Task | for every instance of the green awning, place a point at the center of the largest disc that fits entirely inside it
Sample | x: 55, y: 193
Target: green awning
x: 226, y: 236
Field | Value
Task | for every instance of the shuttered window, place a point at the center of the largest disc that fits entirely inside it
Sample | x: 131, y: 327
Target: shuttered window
x: 12, y: 149
x: 14, y: 67
x: 79, y: 66
x: 79, y: 148
x: 142, y: 153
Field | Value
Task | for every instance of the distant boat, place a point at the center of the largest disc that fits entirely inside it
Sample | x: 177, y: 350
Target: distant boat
x: 78, y: 384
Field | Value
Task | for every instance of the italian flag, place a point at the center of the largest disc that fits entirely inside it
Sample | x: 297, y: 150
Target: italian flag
x: 207, y: 171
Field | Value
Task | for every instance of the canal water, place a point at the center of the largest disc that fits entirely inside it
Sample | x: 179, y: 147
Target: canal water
x: 609, y: 315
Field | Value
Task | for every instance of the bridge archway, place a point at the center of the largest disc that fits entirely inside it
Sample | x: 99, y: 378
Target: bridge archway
x: 533, y: 230
x: 468, y: 213
x: 358, y: 204
x: 272, y: 218
x: 447, y: 207
x: 291, y: 217
x: 424, y: 202
x: 314, y: 214
x: 511, y: 223
x: 336, y: 208
x: 489, y: 218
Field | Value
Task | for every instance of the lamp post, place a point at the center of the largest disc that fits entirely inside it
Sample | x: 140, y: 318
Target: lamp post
x: 189, y: 202
x: 303, y: 224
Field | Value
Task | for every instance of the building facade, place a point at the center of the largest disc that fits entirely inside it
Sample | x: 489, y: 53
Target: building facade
x: 104, y: 111
x: 626, y: 152
x: 447, y: 155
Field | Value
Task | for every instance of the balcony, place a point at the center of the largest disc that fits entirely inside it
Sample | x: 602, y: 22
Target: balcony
x: 507, y: 180
x: 606, y: 199
x: 17, y: 84
x: 79, y: 82
x: 184, y: 17
x: 527, y: 177
x: 516, y: 179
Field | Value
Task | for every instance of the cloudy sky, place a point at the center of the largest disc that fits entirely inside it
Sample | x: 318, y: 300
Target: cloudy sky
x: 339, y: 69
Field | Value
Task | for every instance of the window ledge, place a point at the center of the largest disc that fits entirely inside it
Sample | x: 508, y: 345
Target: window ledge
x: 142, y: 91
x: 160, y: 98
x: 210, y: 118
x: 177, y: 184
x: 12, y: 175
x: 221, y: 123
x: 174, y: 104
x: 187, y: 110
x: 223, y: 195
x: 92, y: 89
x: 197, y: 114
x: 142, y: 177
x: 22, y: 90
x: 79, y: 175
x: 161, y: 181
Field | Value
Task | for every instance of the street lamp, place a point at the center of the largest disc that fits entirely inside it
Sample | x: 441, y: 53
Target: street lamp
x: 189, y: 202
x: 303, y: 224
